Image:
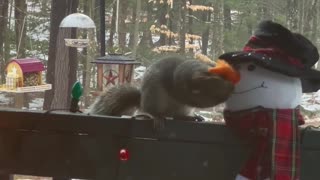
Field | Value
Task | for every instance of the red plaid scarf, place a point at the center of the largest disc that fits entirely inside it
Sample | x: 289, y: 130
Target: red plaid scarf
x: 274, y: 134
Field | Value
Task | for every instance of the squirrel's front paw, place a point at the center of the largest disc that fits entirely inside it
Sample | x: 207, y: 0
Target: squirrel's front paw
x: 198, y: 117
x: 143, y: 116
x: 158, y: 123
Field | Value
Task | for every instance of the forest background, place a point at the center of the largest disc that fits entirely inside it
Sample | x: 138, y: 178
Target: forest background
x: 144, y: 29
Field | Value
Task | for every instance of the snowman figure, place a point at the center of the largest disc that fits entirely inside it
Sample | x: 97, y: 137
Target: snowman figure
x: 275, y: 69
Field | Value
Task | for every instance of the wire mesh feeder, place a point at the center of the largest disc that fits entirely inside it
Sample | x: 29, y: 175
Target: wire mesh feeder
x: 78, y: 43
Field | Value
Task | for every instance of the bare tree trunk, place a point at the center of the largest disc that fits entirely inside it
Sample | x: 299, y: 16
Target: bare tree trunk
x: 171, y: 40
x: 205, y: 35
x: 20, y: 12
x: 7, y: 39
x: 122, y: 25
x: 20, y: 27
x: 314, y: 32
x: 4, y: 5
x: 61, y: 95
x: 227, y: 17
x: 301, y: 16
x: 90, y: 55
x: 190, y: 23
x: 310, y: 17
x: 88, y: 67
x: 59, y: 10
x: 134, y: 21
x: 315, y: 19
x: 83, y: 60
x: 162, y: 21
x: 146, y: 39
x: 217, y: 35
x: 110, y: 42
x: 182, y: 26
x: 266, y: 9
x: 136, y: 29
x: 73, y: 60
x: 97, y: 20
x: 73, y: 67
x: 292, y: 14
x: 57, y: 14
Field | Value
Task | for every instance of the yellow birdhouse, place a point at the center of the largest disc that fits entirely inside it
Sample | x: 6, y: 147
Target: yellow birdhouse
x: 24, y: 72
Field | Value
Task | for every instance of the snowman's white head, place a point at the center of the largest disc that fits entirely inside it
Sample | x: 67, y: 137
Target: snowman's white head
x: 261, y: 87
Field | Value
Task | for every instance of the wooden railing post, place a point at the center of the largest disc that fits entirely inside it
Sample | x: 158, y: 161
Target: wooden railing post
x: 6, y: 176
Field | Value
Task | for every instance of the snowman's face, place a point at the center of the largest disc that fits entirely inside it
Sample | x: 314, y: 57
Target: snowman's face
x: 261, y: 87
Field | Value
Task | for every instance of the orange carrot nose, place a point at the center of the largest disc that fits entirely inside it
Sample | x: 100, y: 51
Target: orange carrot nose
x: 225, y: 70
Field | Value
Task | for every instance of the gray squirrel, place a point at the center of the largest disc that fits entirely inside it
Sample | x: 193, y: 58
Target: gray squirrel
x: 171, y: 87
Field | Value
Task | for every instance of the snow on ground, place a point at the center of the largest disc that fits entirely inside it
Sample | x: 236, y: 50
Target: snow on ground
x: 4, y: 100
x: 36, y: 104
x: 311, y: 101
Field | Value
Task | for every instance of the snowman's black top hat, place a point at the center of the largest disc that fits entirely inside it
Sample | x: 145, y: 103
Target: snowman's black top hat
x: 276, y: 48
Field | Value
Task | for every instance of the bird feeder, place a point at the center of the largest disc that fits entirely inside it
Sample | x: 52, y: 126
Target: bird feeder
x: 77, y: 20
x: 114, y: 69
x: 24, y: 75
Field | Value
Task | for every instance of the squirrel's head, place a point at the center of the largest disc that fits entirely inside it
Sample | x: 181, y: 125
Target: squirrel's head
x: 196, y: 86
x: 208, y: 90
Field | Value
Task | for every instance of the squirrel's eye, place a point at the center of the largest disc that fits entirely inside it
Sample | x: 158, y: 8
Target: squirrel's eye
x: 251, y: 67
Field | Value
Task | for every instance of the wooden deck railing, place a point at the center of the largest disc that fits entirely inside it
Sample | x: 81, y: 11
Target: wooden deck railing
x: 65, y: 145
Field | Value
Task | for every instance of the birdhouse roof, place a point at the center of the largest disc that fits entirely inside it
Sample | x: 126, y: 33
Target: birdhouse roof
x: 29, y: 64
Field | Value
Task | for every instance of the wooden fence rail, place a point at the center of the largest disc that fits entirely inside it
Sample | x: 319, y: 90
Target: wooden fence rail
x: 65, y: 145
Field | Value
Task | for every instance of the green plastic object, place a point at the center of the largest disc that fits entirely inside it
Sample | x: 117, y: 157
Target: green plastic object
x: 77, y: 90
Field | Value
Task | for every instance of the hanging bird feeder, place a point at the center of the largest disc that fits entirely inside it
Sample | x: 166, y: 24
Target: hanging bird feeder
x: 77, y: 20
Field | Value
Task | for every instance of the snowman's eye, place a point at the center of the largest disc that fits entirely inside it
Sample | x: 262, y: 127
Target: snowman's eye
x: 236, y: 66
x: 251, y: 67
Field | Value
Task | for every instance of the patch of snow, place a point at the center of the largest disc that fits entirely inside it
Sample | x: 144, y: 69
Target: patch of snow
x: 36, y: 104
x: 155, y: 38
x: 41, y: 31
x: 4, y: 100
x: 311, y: 101
x: 139, y: 72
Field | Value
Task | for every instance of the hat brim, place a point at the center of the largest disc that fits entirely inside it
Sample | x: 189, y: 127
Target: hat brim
x: 310, y: 78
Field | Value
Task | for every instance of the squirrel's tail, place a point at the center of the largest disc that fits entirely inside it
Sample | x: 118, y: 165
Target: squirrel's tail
x: 119, y: 100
